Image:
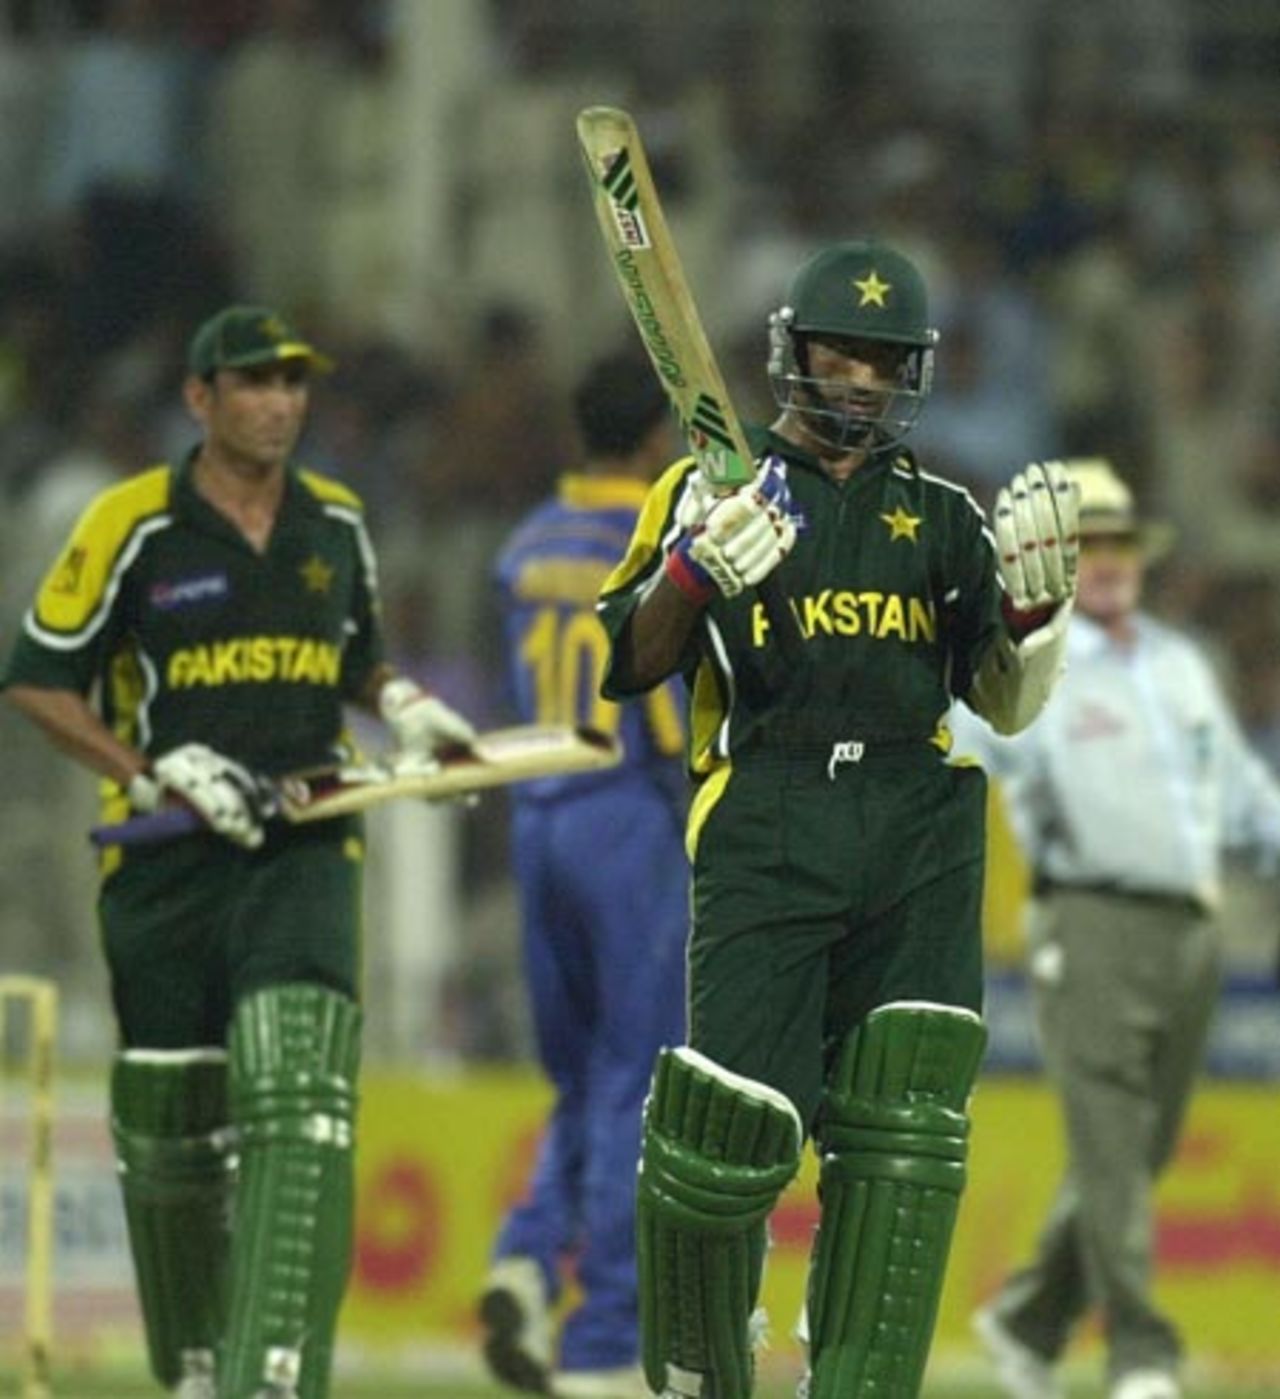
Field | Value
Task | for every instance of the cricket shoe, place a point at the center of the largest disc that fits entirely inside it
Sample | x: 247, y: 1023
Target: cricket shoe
x: 197, y: 1376
x: 626, y: 1382
x: 1022, y: 1373
x: 517, y: 1325
x: 196, y: 1387
x: 1146, y: 1384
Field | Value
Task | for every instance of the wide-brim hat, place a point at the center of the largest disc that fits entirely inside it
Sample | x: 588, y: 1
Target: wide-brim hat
x: 1107, y: 509
x: 239, y: 337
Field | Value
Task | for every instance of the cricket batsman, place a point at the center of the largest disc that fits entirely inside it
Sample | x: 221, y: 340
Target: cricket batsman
x: 834, y: 958
x: 207, y: 622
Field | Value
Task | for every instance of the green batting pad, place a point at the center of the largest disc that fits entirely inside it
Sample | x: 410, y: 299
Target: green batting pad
x: 718, y: 1151
x: 295, y: 1054
x: 169, y: 1122
x: 893, y: 1134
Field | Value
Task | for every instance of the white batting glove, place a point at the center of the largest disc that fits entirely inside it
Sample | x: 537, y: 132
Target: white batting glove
x: 732, y: 541
x: 223, y: 792
x: 1037, y: 531
x: 421, y: 722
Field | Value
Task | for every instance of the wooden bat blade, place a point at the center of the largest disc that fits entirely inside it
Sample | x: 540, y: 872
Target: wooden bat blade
x: 498, y: 758
x: 654, y: 287
x: 653, y: 284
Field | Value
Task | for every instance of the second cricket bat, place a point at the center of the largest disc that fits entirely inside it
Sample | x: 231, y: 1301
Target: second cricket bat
x: 497, y: 758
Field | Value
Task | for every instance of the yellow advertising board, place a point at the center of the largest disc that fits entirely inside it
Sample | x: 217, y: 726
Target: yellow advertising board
x: 440, y: 1159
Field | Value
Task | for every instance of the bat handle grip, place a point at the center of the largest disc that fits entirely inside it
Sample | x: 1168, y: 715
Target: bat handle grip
x: 784, y: 625
x: 166, y: 824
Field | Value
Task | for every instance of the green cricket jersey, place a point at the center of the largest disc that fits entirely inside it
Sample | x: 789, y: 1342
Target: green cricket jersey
x: 161, y: 609
x: 837, y: 856
x: 894, y: 579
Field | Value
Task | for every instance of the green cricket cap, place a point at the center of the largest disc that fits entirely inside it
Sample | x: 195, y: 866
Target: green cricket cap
x: 862, y: 289
x: 239, y: 337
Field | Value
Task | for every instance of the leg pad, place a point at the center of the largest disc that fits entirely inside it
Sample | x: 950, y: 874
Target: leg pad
x: 894, y: 1139
x: 295, y: 1053
x: 173, y: 1152
x: 718, y: 1152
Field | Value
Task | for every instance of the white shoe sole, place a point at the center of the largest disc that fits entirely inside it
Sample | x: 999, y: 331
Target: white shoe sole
x: 1020, y: 1372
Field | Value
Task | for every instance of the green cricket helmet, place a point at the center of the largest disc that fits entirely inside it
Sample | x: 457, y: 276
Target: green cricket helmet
x: 855, y: 291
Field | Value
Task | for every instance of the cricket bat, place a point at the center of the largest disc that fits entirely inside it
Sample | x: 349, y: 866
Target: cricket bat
x: 497, y: 758
x: 653, y: 283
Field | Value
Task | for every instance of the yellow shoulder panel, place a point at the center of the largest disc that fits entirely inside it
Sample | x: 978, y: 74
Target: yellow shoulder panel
x: 332, y: 492
x: 99, y: 545
x: 655, y: 516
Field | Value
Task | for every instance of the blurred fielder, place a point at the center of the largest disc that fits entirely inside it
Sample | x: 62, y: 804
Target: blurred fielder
x: 835, y: 955
x: 1123, y: 795
x: 205, y: 622
x: 604, y: 893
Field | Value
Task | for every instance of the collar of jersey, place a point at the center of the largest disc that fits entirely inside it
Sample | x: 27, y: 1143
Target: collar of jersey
x: 191, y: 505
x: 601, y: 492
x: 762, y: 440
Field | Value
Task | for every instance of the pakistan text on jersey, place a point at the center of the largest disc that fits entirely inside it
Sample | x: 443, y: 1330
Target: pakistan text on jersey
x: 841, y: 612
x: 255, y: 660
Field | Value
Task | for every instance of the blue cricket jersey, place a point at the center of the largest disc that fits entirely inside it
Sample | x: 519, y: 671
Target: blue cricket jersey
x: 549, y: 573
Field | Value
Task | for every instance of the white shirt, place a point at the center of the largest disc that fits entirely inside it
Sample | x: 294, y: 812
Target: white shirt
x: 1136, y: 773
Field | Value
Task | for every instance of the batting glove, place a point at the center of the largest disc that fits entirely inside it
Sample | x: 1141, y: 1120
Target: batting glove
x: 223, y: 792
x: 422, y: 723
x: 732, y: 541
x: 1037, y: 533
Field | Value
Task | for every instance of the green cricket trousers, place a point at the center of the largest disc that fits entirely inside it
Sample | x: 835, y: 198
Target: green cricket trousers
x: 828, y: 881
x: 190, y: 927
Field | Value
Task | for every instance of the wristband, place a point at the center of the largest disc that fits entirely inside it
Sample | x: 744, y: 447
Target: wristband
x: 689, y: 576
x: 143, y: 791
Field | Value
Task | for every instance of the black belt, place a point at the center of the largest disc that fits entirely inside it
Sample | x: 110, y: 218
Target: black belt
x: 1042, y: 886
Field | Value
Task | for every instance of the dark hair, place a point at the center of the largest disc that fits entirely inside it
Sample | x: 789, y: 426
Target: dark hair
x: 617, y: 403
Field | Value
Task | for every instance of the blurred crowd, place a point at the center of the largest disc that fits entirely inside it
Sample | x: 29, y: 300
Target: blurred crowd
x: 1093, y: 192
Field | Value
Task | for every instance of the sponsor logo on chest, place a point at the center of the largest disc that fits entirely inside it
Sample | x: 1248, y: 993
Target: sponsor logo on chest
x: 170, y: 595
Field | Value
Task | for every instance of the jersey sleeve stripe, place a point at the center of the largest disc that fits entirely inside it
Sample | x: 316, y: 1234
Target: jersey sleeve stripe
x: 368, y: 560
x: 328, y: 491
x: 77, y: 632
x: 75, y: 596
x: 653, y: 530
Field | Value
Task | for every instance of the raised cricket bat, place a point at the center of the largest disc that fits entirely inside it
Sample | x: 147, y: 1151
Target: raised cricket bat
x: 652, y: 280
x: 496, y: 759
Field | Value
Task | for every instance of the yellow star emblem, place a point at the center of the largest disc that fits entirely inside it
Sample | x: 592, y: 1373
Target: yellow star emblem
x: 316, y: 574
x: 901, y: 525
x: 872, y: 290
x: 272, y: 327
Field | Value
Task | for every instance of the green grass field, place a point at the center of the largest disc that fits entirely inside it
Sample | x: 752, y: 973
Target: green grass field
x: 1084, y: 1386
x: 459, y: 1390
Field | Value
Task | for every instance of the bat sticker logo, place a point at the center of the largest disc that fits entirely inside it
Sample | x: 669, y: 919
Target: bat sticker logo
x: 708, y: 420
x: 624, y: 200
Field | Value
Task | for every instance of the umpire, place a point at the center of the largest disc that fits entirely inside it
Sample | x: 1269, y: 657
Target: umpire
x: 1123, y: 796
x: 207, y: 622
